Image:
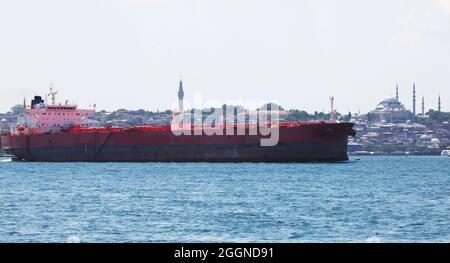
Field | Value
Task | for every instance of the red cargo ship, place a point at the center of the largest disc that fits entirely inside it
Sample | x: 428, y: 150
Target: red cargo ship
x: 55, y: 133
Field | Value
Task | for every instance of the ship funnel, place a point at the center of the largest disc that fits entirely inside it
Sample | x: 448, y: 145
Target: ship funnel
x: 37, y: 100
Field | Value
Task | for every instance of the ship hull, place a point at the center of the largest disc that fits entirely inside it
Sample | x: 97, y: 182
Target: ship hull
x: 305, y: 143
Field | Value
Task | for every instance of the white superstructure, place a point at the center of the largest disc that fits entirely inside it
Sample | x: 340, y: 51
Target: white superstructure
x: 41, y: 117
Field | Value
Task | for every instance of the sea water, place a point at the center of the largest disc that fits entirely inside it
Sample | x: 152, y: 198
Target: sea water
x: 374, y: 199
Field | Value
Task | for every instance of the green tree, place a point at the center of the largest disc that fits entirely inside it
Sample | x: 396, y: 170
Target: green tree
x: 439, y: 117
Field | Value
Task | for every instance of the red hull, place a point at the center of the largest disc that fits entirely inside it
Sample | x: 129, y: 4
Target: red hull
x: 298, y: 143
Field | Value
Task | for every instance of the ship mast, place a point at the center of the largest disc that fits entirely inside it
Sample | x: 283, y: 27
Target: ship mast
x: 52, y: 94
x: 332, y: 116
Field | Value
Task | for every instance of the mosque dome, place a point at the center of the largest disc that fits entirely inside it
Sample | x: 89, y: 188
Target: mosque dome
x: 425, y: 137
x: 435, y: 141
x: 389, y: 100
x: 390, y: 105
x: 391, y: 110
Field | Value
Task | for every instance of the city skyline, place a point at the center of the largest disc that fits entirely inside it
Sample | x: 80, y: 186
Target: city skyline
x: 130, y: 53
x: 50, y: 98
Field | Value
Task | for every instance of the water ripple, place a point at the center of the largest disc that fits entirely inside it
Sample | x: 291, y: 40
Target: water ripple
x: 377, y: 199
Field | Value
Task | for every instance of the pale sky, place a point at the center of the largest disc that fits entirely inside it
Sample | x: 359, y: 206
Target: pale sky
x: 131, y: 53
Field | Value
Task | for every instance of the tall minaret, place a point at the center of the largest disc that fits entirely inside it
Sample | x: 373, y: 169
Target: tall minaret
x: 396, y: 92
x: 180, y: 97
x: 414, y: 99
x: 423, y: 106
x: 439, y: 103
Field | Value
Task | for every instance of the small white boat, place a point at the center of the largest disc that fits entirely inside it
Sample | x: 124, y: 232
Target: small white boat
x: 5, y: 159
x: 445, y: 153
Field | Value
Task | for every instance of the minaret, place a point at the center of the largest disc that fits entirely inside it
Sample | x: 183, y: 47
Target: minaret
x: 439, y: 103
x: 180, y: 97
x: 414, y: 99
x: 423, y: 106
x: 396, y: 92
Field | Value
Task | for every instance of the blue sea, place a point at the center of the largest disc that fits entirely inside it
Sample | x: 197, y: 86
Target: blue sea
x: 374, y: 199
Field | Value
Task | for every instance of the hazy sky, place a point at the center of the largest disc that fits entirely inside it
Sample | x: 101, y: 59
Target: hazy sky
x: 130, y: 53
